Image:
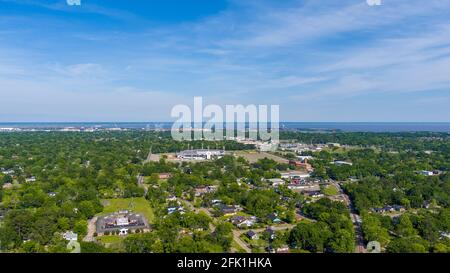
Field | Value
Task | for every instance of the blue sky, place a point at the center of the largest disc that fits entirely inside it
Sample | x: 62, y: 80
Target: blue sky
x: 133, y: 60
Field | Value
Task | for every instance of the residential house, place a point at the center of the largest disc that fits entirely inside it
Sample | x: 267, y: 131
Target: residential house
x: 276, y: 182
x: 274, y: 218
x: 70, y: 236
x: 445, y: 235
x: 242, y: 221
x: 283, y: 249
x: 171, y: 198
x: 8, y: 172
x: 204, y: 190
x: 270, y: 249
x: 252, y: 235
x: 164, y: 176
x: 171, y: 210
x: 427, y: 173
x: 30, y: 179
x: 316, y: 194
x: 216, y: 201
x: 271, y: 233
x: 389, y: 208
x: 228, y: 210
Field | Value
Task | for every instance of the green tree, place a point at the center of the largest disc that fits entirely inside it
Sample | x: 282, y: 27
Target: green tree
x: 80, y: 227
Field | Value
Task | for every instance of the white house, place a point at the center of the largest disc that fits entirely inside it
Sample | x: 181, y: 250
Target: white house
x: 275, y: 182
x: 70, y: 236
x: 30, y: 179
x: 252, y: 235
x: 171, y: 198
x: 8, y: 172
x: 304, y: 157
x: 200, y: 154
x: 427, y: 173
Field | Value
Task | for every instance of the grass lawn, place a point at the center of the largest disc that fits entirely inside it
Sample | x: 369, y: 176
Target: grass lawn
x: 110, y: 239
x: 113, y: 242
x: 237, y: 247
x: 136, y: 204
x: 254, y: 156
x: 330, y: 190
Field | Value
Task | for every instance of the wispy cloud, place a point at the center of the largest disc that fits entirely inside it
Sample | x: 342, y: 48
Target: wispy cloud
x: 62, y: 6
x: 295, y: 53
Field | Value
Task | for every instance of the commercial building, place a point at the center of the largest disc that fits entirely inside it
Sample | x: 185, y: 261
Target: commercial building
x: 201, y: 154
x: 121, y: 221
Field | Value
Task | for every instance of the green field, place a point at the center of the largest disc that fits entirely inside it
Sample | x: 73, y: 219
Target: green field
x: 137, y: 204
x: 330, y: 190
x: 110, y: 239
x: 112, y: 242
x: 237, y: 247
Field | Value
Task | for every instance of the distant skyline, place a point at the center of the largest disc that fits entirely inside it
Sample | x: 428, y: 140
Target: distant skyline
x: 443, y: 127
x: 321, y: 61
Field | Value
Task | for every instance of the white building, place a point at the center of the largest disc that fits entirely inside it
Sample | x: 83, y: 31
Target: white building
x: 275, y: 182
x: 340, y: 163
x: 171, y: 198
x: 304, y: 157
x: 294, y: 175
x: 122, y: 221
x: 427, y: 173
x: 267, y: 146
x: 30, y: 179
x: 8, y: 172
x: 201, y: 154
x: 70, y: 236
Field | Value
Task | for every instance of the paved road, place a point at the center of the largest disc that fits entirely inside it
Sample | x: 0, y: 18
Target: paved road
x: 242, y: 244
x: 149, y: 156
x: 356, y: 220
x: 140, y: 177
x: 140, y: 181
x: 91, y: 230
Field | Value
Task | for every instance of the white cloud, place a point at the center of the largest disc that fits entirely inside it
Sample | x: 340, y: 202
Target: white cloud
x: 253, y: 54
x: 76, y: 70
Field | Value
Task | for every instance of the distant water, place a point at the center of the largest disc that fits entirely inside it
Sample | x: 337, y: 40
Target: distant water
x: 303, y: 126
x: 371, y: 126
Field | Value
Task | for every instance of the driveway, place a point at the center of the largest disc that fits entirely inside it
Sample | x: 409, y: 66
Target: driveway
x: 91, y: 230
